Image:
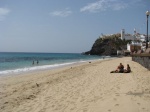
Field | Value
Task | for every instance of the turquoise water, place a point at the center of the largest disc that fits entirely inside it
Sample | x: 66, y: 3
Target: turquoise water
x: 22, y: 62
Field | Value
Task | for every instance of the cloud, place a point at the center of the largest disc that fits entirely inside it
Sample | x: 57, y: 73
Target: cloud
x: 103, y: 5
x: 62, y: 13
x: 3, y: 12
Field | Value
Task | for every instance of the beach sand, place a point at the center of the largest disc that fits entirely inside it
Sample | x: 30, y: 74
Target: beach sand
x: 88, y: 87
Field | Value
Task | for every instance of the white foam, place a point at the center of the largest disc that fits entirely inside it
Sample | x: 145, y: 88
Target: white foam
x: 27, y: 69
x: 43, y: 67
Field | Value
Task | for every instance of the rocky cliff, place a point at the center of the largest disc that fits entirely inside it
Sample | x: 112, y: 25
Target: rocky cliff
x: 108, y: 45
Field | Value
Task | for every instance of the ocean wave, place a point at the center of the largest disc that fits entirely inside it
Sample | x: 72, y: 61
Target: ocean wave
x: 43, y: 67
x: 34, y: 68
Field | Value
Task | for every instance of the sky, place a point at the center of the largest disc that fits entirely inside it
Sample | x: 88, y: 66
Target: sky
x: 66, y: 26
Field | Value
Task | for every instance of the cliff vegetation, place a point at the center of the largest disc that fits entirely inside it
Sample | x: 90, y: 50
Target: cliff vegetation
x: 108, y: 45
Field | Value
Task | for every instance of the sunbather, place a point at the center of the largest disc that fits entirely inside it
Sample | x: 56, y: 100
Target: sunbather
x: 128, y: 69
x: 120, y: 69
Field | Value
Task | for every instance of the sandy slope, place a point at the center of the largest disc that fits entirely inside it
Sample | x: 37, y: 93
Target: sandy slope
x: 88, y: 87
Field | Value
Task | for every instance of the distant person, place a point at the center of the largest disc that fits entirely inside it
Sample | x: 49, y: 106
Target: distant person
x: 33, y: 63
x: 128, y: 69
x: 37, y: 62
x: 120, y: 69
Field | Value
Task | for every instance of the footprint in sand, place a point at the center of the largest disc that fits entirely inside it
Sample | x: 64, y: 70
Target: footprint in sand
x: 143, y: 108
x: 115, y: 99
x: 53, y: 106
x: 117, y: 105
x: 118, y: 87
x: 138, y: 103
x: 117, y: 95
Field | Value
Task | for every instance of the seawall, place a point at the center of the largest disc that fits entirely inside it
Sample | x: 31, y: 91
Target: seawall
x: 143, y: 59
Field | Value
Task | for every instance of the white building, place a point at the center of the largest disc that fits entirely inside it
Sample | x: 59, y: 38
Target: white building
x: 133, y: 37
x: 134, y: 46
x: 136, y: 43
x: 141, y: 37
x: 127, y: 36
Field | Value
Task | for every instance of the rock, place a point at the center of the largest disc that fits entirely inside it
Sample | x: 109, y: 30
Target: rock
x: 107, y: 46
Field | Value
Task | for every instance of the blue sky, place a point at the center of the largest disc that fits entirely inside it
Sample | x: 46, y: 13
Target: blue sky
x: 66, y: 26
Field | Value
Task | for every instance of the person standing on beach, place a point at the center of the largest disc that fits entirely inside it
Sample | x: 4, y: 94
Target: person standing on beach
x: 33, y: 63
x: 37, y: 62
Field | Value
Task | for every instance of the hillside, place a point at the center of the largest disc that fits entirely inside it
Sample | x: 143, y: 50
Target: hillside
x: 108, y: 45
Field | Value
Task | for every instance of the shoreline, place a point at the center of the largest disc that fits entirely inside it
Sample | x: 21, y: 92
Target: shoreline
x: 38, y: 68
x: 22, y: 62
x: 88, y: 87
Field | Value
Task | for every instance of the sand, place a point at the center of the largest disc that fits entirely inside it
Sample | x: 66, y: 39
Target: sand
x: 88, y: 87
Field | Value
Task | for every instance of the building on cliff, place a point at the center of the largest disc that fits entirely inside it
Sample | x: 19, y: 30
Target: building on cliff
x: 135, y: 36
x: 126, y: 36
x: 137, y: 41
x: 134, y: 46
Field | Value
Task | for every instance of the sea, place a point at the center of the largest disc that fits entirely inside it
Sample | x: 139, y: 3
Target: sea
x: 20, y: 62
